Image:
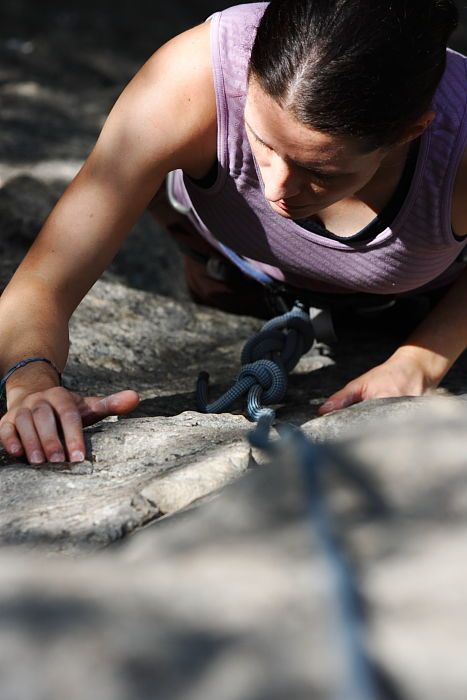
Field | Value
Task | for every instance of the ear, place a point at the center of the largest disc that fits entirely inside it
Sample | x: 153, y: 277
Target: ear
x: 418, y: 127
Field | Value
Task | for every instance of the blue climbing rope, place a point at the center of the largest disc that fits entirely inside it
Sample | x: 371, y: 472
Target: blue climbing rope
x: 267, y: 358
x: 358, y: 677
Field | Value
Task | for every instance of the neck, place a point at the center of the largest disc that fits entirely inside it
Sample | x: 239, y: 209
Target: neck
x: 387, y: 175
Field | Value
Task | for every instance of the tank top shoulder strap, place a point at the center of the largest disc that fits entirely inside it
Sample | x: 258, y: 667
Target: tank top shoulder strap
x: 447, y: 143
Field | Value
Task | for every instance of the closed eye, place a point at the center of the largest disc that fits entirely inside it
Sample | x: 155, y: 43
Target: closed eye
x: 261, y: 143
x: 256, y: 138
x: 320, y: 177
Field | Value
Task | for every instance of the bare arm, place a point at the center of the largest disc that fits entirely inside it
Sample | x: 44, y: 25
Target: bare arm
x: 442, y: 336
x: 165, y: 119
x: 422, y: 361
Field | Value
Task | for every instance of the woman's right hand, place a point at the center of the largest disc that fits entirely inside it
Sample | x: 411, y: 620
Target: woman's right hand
x: 47, y: 426
x: 164, y: 120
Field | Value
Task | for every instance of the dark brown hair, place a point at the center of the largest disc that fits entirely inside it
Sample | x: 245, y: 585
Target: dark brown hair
x: 364, y: 68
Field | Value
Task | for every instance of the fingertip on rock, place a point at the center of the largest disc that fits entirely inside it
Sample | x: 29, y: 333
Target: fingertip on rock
x: 326, y: 408
x: 16, y: 449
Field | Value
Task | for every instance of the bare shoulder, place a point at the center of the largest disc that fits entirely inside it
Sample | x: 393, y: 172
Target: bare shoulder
x: 167, y: 113
x: 459, y: 201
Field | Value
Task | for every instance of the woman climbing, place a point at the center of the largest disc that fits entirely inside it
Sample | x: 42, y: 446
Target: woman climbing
x: 314, y: 145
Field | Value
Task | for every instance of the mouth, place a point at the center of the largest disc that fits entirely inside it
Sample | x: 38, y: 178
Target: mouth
x: 288, y: 208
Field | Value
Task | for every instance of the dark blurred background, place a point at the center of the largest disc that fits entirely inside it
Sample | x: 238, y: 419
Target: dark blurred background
x: 62, y: 65
x: 136, y: 27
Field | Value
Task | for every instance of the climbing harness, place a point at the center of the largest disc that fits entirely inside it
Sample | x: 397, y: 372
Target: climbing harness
x: 267, y: 359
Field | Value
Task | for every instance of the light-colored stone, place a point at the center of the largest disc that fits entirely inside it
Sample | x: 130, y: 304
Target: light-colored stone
x: 117, y: 490
x: 184, y: 485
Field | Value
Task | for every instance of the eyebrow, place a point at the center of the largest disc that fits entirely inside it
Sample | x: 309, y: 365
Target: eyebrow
x: 312, y: 167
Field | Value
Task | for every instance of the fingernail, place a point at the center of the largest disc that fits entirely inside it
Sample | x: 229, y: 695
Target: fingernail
x: 77, y: 456
x: 15, y: 448
x: 37, y: 457
x: 57, y: 457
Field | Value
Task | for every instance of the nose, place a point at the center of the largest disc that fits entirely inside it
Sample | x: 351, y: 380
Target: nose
x: 280, y: 182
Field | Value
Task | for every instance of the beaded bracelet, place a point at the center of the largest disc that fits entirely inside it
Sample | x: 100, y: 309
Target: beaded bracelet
x: 23, y: 363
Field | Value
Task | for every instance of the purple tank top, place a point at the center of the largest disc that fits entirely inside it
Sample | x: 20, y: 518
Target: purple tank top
x: 418, y: 249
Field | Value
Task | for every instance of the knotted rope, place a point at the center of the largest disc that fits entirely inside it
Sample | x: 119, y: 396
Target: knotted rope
x: 267, y: 358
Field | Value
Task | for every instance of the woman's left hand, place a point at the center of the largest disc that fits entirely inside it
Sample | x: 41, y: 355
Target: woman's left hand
x: 401, y: 375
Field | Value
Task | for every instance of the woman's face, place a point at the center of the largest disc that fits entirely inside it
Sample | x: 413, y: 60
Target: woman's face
x: 303, y: 170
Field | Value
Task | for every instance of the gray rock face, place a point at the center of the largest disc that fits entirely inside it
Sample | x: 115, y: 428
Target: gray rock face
x: 224, y: 601
x: 212, y: 589
x: 406, y: 537
x: 137, y: 471
x: 236, y: 597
